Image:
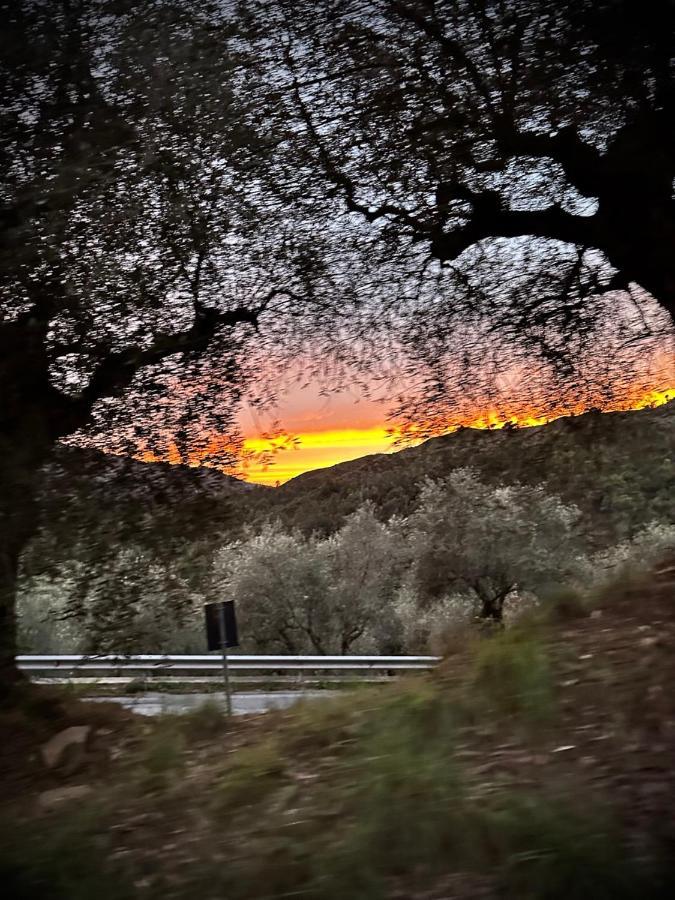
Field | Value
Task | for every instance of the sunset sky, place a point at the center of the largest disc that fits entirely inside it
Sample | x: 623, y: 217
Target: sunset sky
x: 326, y: 430
x: 313, y: 424
x: 345, y: 426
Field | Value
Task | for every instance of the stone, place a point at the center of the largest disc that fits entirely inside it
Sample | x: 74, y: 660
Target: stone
x: 66, y: 749
x: 54, y: 798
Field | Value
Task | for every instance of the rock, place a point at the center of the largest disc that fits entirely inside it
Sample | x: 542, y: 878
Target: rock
x: 50, y: 800
x: 66, y: 749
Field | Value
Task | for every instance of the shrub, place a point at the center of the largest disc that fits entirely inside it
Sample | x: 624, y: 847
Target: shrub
x: 512, y: 675
x: 251, y: 774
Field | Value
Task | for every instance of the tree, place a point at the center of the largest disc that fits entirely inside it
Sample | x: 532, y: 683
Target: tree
x: 306, y: 594
x: 189, y: 188
x: 281, y: 585
x: 470, y: 537
x: 366, y: 558
x: 136, y: 257
x: 455, y: 133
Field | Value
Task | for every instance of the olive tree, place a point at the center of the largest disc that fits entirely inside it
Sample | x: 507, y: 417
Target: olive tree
x: 454, y: 123
x: 144, y: 273
x: 468, y: 537
x: 316, y: 595
x: 281, y: 585
x: 132, y: 602
x: 503, y: 172
x: 366, y: 558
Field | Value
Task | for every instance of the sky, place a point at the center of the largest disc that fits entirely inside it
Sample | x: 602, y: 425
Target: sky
x: 325, y: 430
x: 310, y: 427
x: 347, y: 425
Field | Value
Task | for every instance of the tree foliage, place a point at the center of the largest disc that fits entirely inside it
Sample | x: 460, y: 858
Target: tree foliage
x: 138, y: 251
x: 194, y: 195
x: 326, y: 596
x: 490, y: 542
x: 450, y: 124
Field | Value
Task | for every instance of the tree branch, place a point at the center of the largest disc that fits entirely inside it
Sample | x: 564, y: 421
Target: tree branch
x: 451, y: 48
x: 491, y: 219
x: 117, y: 370
x: 581, y: 163
x: 337, y: 176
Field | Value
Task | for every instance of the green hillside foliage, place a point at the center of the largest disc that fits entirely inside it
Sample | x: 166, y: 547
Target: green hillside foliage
x: 384, y: 554
x: 618, y: 468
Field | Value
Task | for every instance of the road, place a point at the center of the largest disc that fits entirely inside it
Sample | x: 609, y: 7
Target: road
x: 153, y: 704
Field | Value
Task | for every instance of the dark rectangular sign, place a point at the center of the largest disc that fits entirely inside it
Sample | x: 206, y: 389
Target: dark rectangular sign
x: 212, y: 614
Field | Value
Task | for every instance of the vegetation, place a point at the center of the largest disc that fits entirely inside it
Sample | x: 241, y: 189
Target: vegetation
x: 454, y: 196
x: 617, y: 468
x: 184, y: 212
x: 410, y: 546
x: 513, y: 771
x: 489, y: 542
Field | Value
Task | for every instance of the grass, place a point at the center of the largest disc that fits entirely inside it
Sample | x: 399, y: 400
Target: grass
x: 566, y: 603
x: 550, y: 845
x: 162, y: 757
x: 251, y: 775
x: 511, y: 675
x: 387, y: 792
x: 207, y: 722
x: 215, y: 686
x: 68, y: 859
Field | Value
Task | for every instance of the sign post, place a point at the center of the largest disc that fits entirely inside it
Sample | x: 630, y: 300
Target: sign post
x: 221, y: 633
x: 223, y: 650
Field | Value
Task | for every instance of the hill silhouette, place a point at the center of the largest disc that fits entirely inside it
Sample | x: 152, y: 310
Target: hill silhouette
x: 618, y: 467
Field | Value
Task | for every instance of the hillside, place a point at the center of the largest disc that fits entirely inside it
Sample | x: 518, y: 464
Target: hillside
x: 95, y: 506
x: 618, y: 467
x: 88, y: 493
x: 163, y: 482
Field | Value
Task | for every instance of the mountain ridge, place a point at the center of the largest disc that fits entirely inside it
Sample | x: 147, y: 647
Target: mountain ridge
x: 603, y: 461
x: 618, y: 467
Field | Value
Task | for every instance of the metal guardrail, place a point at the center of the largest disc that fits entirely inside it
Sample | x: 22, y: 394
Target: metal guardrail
x: 171, y: 665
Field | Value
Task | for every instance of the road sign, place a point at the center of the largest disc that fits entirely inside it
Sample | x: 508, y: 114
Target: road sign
x: 213, y: 613
x: 221, y: 633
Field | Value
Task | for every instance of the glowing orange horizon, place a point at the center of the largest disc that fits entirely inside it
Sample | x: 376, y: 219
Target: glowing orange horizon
x: 274, y: 460
x: 322, y: 449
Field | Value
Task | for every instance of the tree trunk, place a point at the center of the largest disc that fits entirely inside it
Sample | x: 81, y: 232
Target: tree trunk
x: 492, y: 605
x: 635, y: 221
x: 9, y: 674
x: 19, y: 483
x: 491, y: 609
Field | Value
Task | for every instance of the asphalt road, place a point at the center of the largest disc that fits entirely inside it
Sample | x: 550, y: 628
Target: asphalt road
x: 242, y: 703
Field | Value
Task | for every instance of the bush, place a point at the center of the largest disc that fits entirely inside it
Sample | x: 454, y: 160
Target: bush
x: 205, y: 722
x: 512, y: 675
x: 251, y: 774
x: 629, y: 561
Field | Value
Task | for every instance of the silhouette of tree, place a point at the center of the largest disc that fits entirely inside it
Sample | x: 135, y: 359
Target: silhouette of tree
x: 194, y: 191
x: 137, y: 257
x: 450, y: 124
